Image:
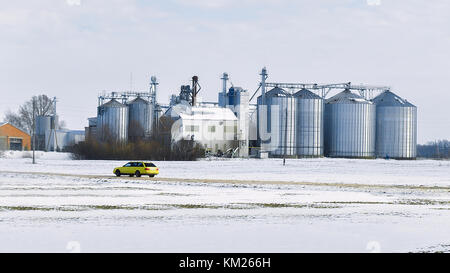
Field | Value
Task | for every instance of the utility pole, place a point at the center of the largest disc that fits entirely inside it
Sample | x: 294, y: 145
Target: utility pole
x: 34, y: 130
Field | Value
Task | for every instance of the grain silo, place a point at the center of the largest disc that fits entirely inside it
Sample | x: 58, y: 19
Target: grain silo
x: 140, y: 118
x: 43, y: 128
x: 309, y: 124
x: 276, y: 123
x: 112, y: 121
x: 43, y: 125
x: 349, y: 126
x: 396, y: 127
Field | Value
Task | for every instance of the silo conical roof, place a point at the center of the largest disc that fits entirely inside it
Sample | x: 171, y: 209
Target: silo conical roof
x: 347, y: 96
x: 181, y: 108
x: 138, y: 100
x: 306, y: 94
x: 277, y: 92
x: 387, y: 98
x: 113, y: 103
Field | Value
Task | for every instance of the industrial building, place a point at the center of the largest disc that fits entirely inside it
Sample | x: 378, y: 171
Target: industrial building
x: 214, y: 128
x: 221, y: 127
x: 288, y: 119
x: 49, y: 137
x: 12, y: 138
x: 61, y: 139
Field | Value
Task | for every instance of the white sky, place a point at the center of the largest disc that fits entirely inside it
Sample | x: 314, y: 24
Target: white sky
x: 74, y: 49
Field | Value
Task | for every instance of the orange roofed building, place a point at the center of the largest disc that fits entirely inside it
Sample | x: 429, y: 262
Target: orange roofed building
x: 12, y: 138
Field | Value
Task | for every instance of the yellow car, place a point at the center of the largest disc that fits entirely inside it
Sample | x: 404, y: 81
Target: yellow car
x: 138, y: 169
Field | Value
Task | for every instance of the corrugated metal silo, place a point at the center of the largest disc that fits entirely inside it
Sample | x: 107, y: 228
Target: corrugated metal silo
x: 112, y: 121
x: 396, y: 127
x: 309, y: 124
x: 43, y: 124
x: 279, y: 120
x: 43, y: 129
x: 349, y: 126
x: 140, y: 118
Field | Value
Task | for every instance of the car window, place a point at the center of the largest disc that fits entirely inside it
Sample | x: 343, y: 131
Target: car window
x: 127, y: 165
x: 134, y: 164
x: 140, y: 164
x: 149, y: 165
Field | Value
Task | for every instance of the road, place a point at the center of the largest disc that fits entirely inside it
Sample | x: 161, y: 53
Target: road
x: 249, y: 182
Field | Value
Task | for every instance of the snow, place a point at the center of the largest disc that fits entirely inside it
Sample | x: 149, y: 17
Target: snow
x: 49, y: 207
x: 38, y: 155
x: 321, y: 170
x: 209, y: 113
x: 187, y: 112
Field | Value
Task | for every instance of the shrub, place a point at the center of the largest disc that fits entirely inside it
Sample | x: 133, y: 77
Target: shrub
x: 158, y: 146
x: 140, y: 150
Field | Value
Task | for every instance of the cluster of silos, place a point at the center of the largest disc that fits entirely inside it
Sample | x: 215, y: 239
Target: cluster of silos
x: 350, y: 126
x: 385, y: 127
x: 290, y: 125
x: 120, y: 122
x: 396, y: 127
x: 346, y: 125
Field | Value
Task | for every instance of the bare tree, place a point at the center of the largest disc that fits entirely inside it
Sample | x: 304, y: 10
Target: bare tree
x: 434, y: 149
x: 15, y: 120
x: 24, y: 118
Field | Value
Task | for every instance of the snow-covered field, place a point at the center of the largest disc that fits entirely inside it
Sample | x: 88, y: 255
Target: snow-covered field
x: 324, y: 170
x: 350, y: 206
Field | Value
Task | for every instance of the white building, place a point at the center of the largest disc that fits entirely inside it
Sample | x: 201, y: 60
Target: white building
x: 215, y: 128
x: 62, y: 138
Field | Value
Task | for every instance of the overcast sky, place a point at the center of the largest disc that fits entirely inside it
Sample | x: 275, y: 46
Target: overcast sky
x: 74, y: 49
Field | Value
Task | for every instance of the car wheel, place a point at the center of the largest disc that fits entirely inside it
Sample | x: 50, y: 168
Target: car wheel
x: 118, y: 173
x: 138, y: 174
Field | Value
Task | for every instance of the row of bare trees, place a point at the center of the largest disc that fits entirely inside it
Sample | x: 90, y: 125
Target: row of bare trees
x: 439, y: 149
